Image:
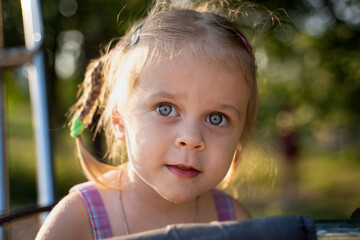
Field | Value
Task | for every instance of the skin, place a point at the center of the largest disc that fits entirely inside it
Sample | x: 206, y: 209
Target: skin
x: 167, y: 127
x: 193, y: 89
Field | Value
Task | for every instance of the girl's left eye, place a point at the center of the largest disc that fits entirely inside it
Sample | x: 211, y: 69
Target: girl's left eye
x: 217, y: 119
x: 167, y: 110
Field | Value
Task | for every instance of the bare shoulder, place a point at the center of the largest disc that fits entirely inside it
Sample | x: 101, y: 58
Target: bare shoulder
x: 68, y: 220
x: 241, y: 213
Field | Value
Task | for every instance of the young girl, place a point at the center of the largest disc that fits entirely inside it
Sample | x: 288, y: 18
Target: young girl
x: 179, y: 93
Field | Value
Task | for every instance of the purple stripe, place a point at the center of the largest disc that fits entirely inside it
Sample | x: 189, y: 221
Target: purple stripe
x: 96, y: 210
x: 223, y: 206
x: 91, y: 213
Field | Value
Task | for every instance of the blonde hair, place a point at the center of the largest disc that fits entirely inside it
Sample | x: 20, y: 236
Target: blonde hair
x: 203, y: 29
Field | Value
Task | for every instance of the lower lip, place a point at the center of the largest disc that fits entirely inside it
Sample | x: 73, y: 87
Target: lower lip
x: 183, y: 173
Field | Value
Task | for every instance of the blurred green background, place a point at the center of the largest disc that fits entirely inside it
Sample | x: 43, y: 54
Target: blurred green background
x: 305, y: 156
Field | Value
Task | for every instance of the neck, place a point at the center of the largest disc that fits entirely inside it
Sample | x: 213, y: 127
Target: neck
x: 143, y: 199
x: 143, y: 192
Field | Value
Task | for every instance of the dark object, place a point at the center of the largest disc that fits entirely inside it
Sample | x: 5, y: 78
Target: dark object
x: 355, y: 216
x: 24, y: 212
x: 269, y: 228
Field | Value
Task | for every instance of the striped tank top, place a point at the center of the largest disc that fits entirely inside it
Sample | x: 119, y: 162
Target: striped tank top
x: 99, y: 219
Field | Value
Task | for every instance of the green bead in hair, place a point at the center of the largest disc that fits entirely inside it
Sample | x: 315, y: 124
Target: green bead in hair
x: 76, y: 128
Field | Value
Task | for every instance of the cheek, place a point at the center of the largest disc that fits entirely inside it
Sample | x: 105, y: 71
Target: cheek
x: 142, y: 136
x: 224, y: 149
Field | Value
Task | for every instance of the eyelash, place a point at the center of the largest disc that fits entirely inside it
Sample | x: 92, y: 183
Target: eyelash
x: 161, y: 107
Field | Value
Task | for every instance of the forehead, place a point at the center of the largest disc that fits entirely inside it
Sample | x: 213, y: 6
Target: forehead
x: 187, y: 75
x: 188, y: 58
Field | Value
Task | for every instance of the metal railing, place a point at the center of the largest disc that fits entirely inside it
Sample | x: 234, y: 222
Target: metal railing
x: 31, y: 56
x: 336, y: 230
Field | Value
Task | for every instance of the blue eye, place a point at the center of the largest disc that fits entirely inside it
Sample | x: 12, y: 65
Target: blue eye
x: 167, y: 110
x: 217, y: 119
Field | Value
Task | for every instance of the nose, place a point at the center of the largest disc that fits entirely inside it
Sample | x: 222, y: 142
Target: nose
x: 190, y: 137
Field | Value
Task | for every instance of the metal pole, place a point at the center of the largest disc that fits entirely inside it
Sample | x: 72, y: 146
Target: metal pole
x: 33, y: 29
x: 36, y: 75
x: 4, y: 168
x: 1, y: 28
x: 4, y: 172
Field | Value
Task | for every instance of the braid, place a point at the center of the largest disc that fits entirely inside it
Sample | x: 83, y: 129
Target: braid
x: 87, y: 104
x: 96, y: 86
x: 93, y: 93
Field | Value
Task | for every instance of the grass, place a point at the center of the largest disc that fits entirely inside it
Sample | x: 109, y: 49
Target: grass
x: 21, y: 155
x: 325, y: 182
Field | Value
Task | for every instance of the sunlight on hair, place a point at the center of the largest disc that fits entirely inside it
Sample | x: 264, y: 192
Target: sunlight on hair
x: 180, y: 2
x: 257, y: 174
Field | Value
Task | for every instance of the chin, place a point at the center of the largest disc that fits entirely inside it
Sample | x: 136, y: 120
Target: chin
x: 178, y: 197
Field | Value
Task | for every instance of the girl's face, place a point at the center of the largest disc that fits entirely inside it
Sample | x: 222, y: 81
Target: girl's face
x: 183, y: 123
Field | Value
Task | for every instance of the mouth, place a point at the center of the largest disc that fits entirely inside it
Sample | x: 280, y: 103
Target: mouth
x: 183, y: 171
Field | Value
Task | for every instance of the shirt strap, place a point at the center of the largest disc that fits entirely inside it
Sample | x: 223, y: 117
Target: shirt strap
x: 223, y: 205
x: 96, y: 210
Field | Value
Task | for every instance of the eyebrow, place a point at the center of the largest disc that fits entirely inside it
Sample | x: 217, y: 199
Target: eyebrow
x: 230, y: 107
x: 164, y: 94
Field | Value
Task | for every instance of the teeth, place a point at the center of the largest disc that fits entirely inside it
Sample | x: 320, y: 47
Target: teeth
x: 185, y: 168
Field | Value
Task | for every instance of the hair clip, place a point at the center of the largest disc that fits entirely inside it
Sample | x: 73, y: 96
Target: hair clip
x: 244, y: 41
x: 77, y: 126
x: 135, y: 36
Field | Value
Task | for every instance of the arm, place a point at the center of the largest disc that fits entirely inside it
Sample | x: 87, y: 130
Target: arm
x: 68, y: 220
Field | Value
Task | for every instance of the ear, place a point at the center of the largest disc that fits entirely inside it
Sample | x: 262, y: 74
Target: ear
x: 118, y: 126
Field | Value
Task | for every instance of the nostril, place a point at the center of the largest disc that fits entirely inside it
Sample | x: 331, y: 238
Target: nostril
x: 199, y: 147
x: 190, y: 145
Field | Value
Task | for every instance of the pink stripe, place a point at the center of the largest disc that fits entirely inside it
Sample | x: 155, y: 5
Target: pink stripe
x: 90, y: 212
x: 96, y: 210
x: 224, y: 207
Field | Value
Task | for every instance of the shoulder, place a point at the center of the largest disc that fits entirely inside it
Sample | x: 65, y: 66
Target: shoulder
x: 68, y: 220
x: 241, y: 213
x: 224, y: 201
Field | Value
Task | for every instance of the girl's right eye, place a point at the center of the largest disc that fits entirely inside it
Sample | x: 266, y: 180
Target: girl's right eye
x: 167, y: 110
